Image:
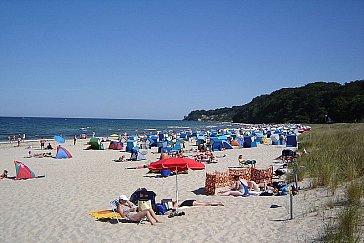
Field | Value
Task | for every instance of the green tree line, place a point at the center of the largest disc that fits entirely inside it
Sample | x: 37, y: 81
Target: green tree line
x: 312, y: 103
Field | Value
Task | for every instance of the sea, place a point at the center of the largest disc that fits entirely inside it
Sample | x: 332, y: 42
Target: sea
x: 36, y: 127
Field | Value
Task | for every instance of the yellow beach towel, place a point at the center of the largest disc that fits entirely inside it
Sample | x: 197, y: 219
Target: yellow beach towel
x: 105, y: 214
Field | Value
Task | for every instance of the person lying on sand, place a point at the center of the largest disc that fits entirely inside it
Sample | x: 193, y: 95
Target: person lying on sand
x: 241, y: 187
x: 41, y: 155
x: 129, y: 210
x: 120, y: 159
x: 192, y: 202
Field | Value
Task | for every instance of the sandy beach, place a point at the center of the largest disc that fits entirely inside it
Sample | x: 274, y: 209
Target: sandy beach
x: 54, y: 208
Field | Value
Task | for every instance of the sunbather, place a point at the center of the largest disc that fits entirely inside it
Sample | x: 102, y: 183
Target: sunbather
x: 243, y: 162
x: 129, y: 210
x: 120, y: 159
x: 240, y: 187
x: 41, y: 155
x: 191, y: 202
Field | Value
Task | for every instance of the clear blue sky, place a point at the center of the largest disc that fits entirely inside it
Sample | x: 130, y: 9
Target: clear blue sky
x: 163, y: 59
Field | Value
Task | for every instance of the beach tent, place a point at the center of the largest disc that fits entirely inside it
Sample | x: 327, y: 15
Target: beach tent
x: 274, y: 138
x: 130, y: 144
x: 96, y: 144
x: 216, y: 144
x: 137, y: 155
x: 63, y: 153
x: 213, y: 133
x: 258, y: 137
x: 241, y: 141
x: 226, y: 145
x: 161, y: 137
x: 223, y: 138
x: 200, y: 139
x: 22, y: 171
x: 249, y: 142
x: 177, y: 147
x: 116, y: 145
x: 153, y: 141
x: 184, y: 136
x: 164, y: 147
x: 291, y: 140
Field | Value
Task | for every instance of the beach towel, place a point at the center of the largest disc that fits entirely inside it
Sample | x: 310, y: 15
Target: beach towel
x: 105, y: 214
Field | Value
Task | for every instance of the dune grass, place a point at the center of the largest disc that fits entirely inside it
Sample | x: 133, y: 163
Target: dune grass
x: 336, y: 154
x: 336, y: 158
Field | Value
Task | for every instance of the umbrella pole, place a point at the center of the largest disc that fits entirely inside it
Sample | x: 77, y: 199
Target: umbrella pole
x: 176, y: 189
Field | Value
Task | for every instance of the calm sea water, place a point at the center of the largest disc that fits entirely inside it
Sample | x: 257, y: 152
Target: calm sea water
x: 36, y: 127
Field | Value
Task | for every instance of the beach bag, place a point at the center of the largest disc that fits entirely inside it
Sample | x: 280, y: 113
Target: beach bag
x: 165, y: 173
x: 160, y: 209
x: 168, y: 203
x: 142, y: 205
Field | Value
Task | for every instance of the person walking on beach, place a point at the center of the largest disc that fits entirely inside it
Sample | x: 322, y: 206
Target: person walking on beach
x: 42, y: 141
x: 74, y: 140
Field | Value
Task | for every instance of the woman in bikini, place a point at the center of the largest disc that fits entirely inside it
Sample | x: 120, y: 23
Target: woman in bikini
x: 129, y: 210
x: 240, y: 187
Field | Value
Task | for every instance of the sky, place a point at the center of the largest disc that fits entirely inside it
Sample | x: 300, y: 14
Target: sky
x: 163, y: 59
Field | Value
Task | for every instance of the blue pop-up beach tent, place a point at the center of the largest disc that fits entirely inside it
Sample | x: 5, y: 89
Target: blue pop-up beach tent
x: 291, y: 140
x: 130, y: 144
x: 249, y: 142
x: 62, y: 153
x: 200, y: 139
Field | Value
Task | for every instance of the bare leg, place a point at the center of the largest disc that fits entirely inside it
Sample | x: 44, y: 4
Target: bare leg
x: 196, y: 203
x: 142, y: 214
x: 253, y: 185
x: 154, y: 216
x: 177, y: 203
x: 233, y: 193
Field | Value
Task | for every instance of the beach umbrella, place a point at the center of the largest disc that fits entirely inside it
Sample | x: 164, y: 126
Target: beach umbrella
x: 176, y: 164
x: 59, y: 139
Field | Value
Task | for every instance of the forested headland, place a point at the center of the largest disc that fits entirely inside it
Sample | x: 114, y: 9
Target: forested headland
x: 317, y: 102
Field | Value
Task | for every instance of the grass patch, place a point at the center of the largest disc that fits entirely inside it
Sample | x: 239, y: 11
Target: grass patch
x: 347, y: 229
x: 355, y: 192
x: 335, y: 154
x: 336, y: 158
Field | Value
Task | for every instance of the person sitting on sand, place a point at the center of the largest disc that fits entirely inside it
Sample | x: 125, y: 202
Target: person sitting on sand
x: 192, y: 202
x: 129, y: 210
x: 4, y: 174
x: 240, y: 187
x: 164, y: 155
x: 243, y: 162
x: 120, y: 159
x: 49, y: 146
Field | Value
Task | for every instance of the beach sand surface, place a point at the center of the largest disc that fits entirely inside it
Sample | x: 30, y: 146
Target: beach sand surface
x: 54, y: 208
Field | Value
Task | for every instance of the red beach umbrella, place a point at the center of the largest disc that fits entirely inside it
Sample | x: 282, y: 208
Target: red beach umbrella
x: 176, y: 164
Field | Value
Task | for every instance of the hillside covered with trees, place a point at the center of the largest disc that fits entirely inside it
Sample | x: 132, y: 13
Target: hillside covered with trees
x: 312, y: 103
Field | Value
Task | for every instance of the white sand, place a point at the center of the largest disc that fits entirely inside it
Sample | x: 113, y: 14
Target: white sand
x: 54, y: 208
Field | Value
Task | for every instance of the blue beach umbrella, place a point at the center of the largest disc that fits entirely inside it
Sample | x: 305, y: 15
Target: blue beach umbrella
x: 59, y: 139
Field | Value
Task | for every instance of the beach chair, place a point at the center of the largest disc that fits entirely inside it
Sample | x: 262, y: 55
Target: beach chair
x: 114, y: 205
